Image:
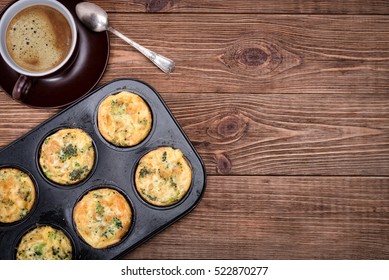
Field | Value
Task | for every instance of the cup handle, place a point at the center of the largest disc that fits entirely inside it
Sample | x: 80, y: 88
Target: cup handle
x: 22, y: 87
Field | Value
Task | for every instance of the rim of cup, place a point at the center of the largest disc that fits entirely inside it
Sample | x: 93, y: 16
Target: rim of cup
x: 13, y: 10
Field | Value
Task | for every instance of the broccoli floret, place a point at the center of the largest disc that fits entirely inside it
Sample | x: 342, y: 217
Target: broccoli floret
x: 68, y: 152
x: 77, y: 173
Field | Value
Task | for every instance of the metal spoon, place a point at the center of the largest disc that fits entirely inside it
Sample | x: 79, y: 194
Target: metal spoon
x: 96, y: 19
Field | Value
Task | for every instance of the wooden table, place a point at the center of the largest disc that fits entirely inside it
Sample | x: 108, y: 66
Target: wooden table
x: 287, y: 102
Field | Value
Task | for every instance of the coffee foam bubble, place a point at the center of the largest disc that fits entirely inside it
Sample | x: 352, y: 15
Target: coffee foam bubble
x: 35, y: 40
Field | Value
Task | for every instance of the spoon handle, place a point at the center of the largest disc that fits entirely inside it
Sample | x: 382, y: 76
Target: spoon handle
x: 165, y: 64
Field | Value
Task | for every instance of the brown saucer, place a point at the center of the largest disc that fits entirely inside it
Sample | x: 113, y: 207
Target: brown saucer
x: 81, y: 75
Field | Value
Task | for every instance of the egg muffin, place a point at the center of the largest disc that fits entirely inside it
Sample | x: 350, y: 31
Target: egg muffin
x: 102, y: 217
x: 17, y: 195
x: 44, y: 243
x: 124, y: 119
x: 67, y: 156
x: 163, y: 176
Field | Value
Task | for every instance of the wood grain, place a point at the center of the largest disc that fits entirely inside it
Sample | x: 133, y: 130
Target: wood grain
x: 287, y: 134
x: 267, y: 134
x: 257, y: 53
x: 249, y: 6
x: 18, y: 119
x: 281, y: 218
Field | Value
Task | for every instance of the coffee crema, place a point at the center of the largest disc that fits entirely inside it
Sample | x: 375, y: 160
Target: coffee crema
x: 38, y: 38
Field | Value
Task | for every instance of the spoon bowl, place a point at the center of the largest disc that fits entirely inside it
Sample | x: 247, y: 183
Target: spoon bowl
x: 92, y: 16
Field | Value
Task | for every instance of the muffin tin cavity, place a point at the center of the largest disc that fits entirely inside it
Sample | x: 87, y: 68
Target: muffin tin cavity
x: 124, y: 119
x: 102, y: 217
x: 86, y: 184
x: 163, y: 176
x: 44, y: 243
x: 17, y: 195
x: 67, y: 156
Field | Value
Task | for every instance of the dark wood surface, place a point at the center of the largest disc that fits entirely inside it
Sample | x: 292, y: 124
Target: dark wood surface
x: 287, y: 102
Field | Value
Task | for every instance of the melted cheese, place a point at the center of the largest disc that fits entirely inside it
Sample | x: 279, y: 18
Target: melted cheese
x: 44, y: 243
x: 124, y: 119
x: 17, y: 195
x: 67, y: 156
x: 163, y: 176
x: 102, y: 217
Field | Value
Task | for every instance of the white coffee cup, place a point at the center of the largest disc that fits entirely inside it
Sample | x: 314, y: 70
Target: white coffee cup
x: 16, y: 52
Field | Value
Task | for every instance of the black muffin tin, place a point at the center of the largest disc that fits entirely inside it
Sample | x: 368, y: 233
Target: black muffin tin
x: 114, y: 167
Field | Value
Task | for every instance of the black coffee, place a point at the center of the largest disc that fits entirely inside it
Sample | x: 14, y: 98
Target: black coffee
x: 38, y: 38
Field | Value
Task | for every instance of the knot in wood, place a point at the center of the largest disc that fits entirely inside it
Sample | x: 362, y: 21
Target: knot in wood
x: 253, y: 56
x: 223, y: 164
x: 258, y: 58
x: 228, y: 128
x: 231, y: 126
x: 153, y: 6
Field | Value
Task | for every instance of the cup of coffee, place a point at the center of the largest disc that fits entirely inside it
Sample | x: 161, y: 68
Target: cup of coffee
x: 37, y: 39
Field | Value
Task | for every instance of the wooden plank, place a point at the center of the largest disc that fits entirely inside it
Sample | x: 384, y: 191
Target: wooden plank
x: 257, y: 53
x: 251, y: 134
x: 280, y: 218
x: 350, y: 7
x: 287, y: 134
x: 17, y: 119
x: 249, y: 6
x: 328, y: 7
